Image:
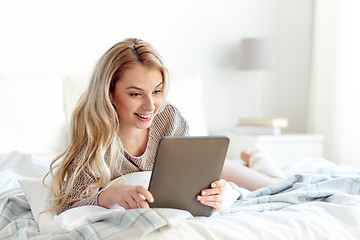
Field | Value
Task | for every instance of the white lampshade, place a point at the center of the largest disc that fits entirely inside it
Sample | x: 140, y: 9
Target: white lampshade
x: 256, y: 54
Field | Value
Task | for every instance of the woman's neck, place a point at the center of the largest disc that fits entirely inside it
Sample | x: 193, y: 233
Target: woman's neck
x: 135, y: 142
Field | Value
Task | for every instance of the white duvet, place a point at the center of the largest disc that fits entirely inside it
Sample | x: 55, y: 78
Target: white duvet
x: 337, y: 218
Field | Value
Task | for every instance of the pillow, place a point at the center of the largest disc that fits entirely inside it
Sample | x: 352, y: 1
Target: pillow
x: 74, y: 86
x: 135, y: 178
x: 32, y: 114
x: 37, y: 194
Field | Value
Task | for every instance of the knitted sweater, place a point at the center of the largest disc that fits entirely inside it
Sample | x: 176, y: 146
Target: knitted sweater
x: 168, y: 122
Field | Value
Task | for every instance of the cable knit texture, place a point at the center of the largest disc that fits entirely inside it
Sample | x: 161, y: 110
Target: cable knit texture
x: 168, y: 122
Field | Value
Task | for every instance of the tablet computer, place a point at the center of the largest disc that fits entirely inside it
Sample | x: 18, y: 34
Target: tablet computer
x: 184, y: 166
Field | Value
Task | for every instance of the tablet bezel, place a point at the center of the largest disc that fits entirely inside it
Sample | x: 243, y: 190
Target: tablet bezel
x: 177, y: 178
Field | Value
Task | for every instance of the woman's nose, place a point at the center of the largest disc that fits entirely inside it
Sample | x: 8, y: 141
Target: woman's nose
x: 148, y: 104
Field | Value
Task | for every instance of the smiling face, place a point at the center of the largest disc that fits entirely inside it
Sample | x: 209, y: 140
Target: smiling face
x: 138, y: 96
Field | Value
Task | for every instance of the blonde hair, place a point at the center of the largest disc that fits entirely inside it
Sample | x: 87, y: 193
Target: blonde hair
x: 95, y: 123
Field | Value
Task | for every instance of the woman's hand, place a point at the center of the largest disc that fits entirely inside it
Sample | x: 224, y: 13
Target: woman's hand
x: 125, y: 195
x: 213, y: 197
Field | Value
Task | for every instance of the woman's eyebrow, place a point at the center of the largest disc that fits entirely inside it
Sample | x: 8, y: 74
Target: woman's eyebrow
x: 159, y: 85
x: 136, y: 88
x: 140, y: 89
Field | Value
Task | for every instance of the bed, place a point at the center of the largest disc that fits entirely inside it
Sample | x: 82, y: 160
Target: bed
x: 317, y: 200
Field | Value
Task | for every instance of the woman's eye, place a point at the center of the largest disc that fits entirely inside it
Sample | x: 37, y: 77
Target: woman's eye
x: 157, y: 91
x: 134, y: 94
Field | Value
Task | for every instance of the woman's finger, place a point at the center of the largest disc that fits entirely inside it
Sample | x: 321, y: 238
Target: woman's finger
x: 146, y: 193
x: 211, y: 198
x: 124, y: 204
x: 140, y: 201
x: 219, y: 183
x: 212, y: 191
x: 131, y: 201
x: 215, y: 205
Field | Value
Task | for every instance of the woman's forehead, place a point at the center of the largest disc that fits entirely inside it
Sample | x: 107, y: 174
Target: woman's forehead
x: 141, y: 76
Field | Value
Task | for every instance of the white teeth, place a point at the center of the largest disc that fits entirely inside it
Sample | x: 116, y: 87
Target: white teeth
x: 144, y: 116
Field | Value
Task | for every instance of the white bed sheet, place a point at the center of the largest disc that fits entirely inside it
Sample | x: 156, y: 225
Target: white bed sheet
x: 314, y: 220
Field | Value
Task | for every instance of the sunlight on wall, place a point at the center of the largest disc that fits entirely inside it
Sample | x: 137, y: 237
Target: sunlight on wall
x: 349, y: 77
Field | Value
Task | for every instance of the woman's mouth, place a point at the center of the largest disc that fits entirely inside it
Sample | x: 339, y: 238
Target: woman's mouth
x: 144, y: 117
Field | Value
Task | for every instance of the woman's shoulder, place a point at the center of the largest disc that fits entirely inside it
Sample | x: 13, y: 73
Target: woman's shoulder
x: 170, y: 109
x: 171, y: 119
x: 171, y: 112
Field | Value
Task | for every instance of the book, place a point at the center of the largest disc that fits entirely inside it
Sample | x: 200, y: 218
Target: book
x: 265, y: 122
x: 257, y: 130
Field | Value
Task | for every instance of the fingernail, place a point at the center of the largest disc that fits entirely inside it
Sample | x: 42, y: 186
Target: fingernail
x: 213, y: 185
x: 203, y: 193
x: 151, y: 200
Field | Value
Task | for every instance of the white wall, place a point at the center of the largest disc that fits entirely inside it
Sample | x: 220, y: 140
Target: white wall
x: 194, y: 37
x: 324, y: 104
x: 334, y: 110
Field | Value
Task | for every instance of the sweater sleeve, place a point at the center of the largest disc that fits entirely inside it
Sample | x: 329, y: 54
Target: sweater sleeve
x: 92, y: 200
x: 81, y: 182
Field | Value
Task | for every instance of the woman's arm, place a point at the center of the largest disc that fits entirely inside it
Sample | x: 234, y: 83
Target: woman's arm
x: 75, y: 193
x: 125, y: 195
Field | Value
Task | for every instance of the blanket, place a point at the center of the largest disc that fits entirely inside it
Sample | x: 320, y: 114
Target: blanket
x: 16, y: 222
x: 327, y: 184
x: 334, y: 185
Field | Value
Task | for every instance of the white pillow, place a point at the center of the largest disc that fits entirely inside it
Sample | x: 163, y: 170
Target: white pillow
x: 135, y: 178
x: 74, y: 86
x: 36, y: 194
x: 32, y: 114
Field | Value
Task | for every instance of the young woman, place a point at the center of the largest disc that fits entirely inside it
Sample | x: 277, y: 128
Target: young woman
x: 116, y: 127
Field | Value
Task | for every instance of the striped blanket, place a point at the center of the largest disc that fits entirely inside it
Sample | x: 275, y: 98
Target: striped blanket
x: 327, y: 185
x: 16, y: 222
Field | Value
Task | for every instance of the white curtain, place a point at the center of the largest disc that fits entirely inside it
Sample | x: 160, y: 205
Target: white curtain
x: 334, y: 104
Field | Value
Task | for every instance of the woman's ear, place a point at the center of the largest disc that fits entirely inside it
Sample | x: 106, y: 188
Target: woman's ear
x: 111, y: 98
